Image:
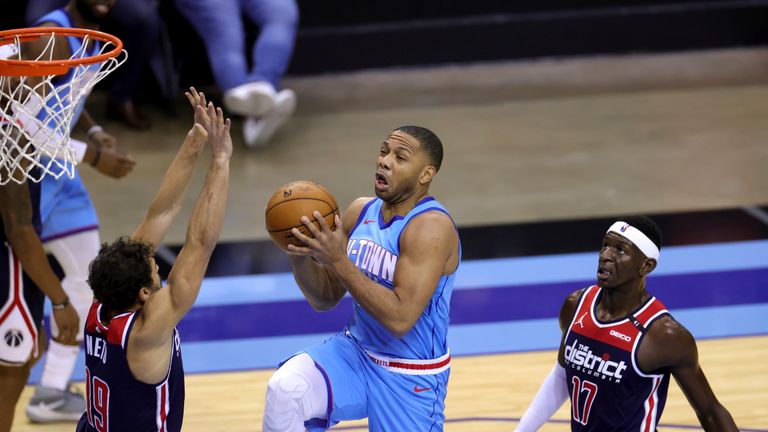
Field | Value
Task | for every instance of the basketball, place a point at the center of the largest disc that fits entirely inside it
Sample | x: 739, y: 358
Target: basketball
x: 292, y: 201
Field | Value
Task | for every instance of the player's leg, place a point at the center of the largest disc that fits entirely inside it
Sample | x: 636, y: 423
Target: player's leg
x: 53, y: 401
x: 406, y: 402
x: 12, y: 382
x: 316, y: 389
x: 296, y: 393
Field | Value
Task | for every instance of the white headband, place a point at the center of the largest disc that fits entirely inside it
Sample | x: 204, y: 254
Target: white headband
x: 637, y: 237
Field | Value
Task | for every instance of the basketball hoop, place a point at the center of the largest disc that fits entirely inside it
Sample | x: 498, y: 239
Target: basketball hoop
x: 35, y: 112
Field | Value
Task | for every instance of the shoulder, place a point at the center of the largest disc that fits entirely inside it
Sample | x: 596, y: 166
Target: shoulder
x: 432, y: 225
x: 669, y: 344
x: 352, y: 213
x: 667, y: 330
x: 568, y: 309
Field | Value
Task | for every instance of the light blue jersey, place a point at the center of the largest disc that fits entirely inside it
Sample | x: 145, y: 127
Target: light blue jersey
x: 65, y: 205
x: 400, y: 384
x: 374, y: 247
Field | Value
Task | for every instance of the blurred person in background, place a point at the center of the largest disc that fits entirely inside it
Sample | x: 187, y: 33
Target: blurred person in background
x: 254, y: 90
x: 137, y: 24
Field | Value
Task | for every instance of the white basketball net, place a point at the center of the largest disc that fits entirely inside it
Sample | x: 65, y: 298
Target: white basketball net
x: 36, y: 113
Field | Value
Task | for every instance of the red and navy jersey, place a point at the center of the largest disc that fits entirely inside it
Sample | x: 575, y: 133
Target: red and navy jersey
x: 609, y: 391
x: 116, y: 401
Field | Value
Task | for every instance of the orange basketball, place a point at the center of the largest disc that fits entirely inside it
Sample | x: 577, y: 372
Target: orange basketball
x: 292, y: 201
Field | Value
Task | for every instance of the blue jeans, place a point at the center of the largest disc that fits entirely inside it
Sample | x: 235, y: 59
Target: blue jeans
x: 221, y: 28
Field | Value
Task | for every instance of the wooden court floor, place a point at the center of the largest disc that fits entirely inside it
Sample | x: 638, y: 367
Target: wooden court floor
x: 491, y: 389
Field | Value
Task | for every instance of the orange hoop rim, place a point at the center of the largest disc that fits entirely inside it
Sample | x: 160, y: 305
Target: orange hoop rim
x: 9, y: 67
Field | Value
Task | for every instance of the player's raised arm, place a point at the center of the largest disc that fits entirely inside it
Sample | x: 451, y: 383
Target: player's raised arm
x: 670, y: 345
x: 169, y: 305
x: 167, y: 202
x: 320, y: 286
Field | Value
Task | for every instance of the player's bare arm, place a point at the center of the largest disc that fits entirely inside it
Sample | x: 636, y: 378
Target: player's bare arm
x: 169, y: 198
x: 320, y: 286
x: 670, y: 345
x: 151, y: 338
x: 567, y: 311
x: 16, y: 210
x: 428, y: 250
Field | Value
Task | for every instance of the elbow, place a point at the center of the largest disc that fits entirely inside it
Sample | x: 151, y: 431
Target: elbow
x: 322, y: 306
x: 400, y: 328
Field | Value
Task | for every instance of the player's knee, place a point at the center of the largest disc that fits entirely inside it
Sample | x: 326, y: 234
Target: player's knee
x: 295, y: 394
x: 286, y: 389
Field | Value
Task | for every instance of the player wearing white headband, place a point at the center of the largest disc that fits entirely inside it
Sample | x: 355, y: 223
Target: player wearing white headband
x: 620, y: 345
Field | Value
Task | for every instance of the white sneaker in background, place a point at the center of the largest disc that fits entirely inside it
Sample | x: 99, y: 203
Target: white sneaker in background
x: 250, y: 99
x: 258, y: 131
x: 53, y: 405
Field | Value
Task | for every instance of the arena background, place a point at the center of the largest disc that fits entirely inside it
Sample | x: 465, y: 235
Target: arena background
x: 556, y: 117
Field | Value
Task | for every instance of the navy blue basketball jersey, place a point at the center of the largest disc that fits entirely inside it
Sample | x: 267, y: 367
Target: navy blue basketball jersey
x: 608, y: 390
x: 115, y: 400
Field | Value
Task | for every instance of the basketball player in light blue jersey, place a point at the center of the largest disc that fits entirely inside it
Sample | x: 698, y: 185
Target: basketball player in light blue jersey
x: 397, y: 256
x: 69, y: 221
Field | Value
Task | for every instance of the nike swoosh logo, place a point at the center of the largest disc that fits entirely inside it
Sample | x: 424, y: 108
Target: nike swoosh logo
x: 419, y: 390
x: 367, y: 221
x: 52, y: 406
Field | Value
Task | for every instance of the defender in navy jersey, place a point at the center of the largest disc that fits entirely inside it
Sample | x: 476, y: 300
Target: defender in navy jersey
x: 134, y: 372
x: 25, y: 278
x: 620, y: 345
x: 397, y: 256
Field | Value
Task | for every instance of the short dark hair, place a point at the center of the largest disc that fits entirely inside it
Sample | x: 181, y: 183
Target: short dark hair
x: 646, y: 226
x: 119, y: 271
x: 428, y: 140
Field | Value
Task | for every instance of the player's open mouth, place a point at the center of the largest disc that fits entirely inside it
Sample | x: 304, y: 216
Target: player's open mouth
x: 602, y: 273
x: 381, y: 181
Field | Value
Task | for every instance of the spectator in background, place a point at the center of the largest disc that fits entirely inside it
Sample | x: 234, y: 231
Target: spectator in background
x: 254, y: 91
x: 137, y: 24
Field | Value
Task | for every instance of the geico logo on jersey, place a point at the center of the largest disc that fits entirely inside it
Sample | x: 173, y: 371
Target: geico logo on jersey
x: 581, y: 358
x: 621, y: 336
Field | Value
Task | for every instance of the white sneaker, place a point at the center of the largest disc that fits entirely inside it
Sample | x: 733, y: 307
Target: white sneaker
x: 258, y: 131
x: 250, y: 99
x: 53, y: 405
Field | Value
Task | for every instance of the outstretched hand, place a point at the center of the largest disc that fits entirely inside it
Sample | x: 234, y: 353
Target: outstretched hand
x: 326, y: 246
x: 197, y: 99
x: 218, y: 131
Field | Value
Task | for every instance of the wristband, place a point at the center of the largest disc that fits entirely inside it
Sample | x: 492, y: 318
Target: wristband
x: 93, y: 129
x: 62, y: 305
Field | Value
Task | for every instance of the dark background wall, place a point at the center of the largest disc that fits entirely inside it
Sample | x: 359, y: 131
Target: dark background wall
x: 340, y: 35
